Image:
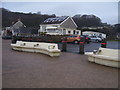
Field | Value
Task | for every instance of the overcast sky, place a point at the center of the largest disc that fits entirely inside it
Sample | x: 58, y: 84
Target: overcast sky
x: 106, y: 11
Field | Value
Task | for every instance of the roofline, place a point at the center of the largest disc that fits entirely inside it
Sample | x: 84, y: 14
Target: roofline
x: 20, y: 22
x: 74, y: 22
x: 64, y: 20
x: 94, y: 32
x: 67, y: 19
x: 49, y: 24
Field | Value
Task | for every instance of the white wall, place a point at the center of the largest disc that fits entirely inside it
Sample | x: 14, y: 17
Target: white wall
x: 43, y: 28
x: 72, y: 32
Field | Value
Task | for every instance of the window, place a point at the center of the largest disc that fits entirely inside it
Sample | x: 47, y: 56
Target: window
x: 64, y: 31
x: 77, y: 32
x: 69, y: 32
x: 51, y: 30
x: 73, y: 31
x: 54, y: 30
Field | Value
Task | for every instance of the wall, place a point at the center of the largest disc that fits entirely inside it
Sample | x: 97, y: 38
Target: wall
x: 68, y: 23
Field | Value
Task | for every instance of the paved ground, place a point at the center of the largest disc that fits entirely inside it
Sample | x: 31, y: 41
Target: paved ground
x: 32, y: 70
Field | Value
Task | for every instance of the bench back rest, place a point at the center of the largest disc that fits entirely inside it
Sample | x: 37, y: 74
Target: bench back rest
x: 19, y: 42
x: 109, y: 52
x: 25, y: 44
x: 37, y: 45
x: 47, y: 45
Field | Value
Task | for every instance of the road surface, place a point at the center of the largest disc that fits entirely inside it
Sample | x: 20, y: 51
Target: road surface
x: 70, y: 70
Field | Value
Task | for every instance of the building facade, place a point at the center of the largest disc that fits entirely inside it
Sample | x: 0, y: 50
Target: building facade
x: 59, y: 26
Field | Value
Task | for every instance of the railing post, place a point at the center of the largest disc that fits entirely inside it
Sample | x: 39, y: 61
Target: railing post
x: 64, y: 44
x: 104, y: 43
x: 81, y: 45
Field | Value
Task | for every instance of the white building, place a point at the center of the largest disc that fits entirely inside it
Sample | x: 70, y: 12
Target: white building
x: 59, y: 26
x: 91, y: 33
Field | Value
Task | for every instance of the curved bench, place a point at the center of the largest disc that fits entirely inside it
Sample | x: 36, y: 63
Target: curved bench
x: 38, y: 47
x: 105, y: 56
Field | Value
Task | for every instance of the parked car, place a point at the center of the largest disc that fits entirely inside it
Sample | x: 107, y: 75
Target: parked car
x: 95, y: 39
x: 6, y: 37
x: 87, y: 38
x: 73, y: 38
x: 101, y: 37
x: 76, y: 38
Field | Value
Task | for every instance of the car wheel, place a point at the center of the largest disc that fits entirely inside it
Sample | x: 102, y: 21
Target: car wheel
x: 75, y: 42
x: 97, y: 41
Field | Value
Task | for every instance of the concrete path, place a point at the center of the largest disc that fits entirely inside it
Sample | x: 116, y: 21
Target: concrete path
x: 33, y: 70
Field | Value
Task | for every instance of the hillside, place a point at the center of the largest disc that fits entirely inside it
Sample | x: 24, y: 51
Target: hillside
x: 29, y: 19
x: 35, y: 19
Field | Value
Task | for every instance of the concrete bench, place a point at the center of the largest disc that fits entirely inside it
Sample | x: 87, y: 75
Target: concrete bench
x: 38, y: 47
x: 105, y: 56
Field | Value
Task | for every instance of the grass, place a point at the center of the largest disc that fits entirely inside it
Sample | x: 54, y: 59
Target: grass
x: 113, y: 40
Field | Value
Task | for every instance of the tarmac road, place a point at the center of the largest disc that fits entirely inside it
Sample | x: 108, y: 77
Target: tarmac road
x: 74, y: 48
x: 70, y: 70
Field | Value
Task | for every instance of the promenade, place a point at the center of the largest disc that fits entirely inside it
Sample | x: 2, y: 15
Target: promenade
x: 70, y: 70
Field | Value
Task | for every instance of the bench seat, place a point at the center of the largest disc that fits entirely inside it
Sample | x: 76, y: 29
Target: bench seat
x: 37, y: 47
x: 108, y: 57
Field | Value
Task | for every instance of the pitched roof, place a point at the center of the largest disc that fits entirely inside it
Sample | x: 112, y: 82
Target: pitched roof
x: 17, y: 25
x: 56, y: 20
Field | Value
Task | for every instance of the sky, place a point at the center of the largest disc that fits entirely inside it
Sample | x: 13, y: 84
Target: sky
x: 106, y: 11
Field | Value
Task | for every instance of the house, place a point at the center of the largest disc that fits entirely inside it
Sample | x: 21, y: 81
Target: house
x: 6, y: 32
x: 59, y: 26
x: 20, y: 28
x: 91, y: 33
x: 15, y: 28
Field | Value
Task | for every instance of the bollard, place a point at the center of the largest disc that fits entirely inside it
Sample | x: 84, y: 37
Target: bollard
x: 103, y: 43
x: 50, y: 39
x: 64, y: 44
x: 81, y: 45
x: 14, y: 39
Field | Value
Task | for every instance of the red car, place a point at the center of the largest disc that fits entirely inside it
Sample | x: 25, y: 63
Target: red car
x: 76, y: 38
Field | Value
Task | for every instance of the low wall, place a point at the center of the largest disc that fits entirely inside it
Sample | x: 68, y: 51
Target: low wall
x: 42, y: 38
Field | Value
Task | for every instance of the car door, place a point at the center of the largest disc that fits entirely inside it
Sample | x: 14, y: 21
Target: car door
x: 69, y: 39
x: 93, y: 38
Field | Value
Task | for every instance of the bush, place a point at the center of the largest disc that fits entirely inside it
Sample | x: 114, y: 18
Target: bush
x: 42, y: 38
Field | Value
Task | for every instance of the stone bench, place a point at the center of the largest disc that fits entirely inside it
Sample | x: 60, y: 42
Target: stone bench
x: 105, y: 56
x: 38, y: 47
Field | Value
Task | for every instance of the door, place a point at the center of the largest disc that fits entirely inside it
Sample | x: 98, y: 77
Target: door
x: 74, y: 32
x: 64, y: 31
